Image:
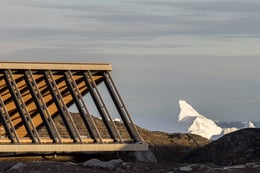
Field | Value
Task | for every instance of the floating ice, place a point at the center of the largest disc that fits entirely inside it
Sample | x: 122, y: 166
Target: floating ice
x: 197, y: 123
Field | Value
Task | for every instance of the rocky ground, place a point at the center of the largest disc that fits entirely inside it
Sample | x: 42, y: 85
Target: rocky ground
x: 175, y: 153
x: 43, y: 166
x: 235, y: 152
x: 240, y: 147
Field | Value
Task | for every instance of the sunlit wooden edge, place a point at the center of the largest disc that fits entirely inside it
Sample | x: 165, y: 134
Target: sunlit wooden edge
x: 55, y: 66
x: 73, y: 147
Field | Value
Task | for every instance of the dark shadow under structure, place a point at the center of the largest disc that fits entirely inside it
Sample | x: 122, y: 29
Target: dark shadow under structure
x: 35, y: 116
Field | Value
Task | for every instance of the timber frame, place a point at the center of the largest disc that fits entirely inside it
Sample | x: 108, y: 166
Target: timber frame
x: 34, y: 109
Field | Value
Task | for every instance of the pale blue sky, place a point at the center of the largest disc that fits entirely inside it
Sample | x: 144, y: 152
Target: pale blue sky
x: 203, y: 51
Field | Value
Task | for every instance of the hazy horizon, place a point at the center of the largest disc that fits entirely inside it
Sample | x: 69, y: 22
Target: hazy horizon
x: 204, y: 52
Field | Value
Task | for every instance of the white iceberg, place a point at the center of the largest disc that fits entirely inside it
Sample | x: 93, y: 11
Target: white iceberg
x: 249, y: 124
x: 197, y: 123
x: 229, y: 130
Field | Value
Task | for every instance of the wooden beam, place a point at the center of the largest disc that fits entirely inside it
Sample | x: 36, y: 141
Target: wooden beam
x: 54, y: 66
x: 73, y: 147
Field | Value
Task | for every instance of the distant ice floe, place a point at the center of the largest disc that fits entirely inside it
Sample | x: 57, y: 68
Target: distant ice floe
x: 229, y: 130
x: 117, y: 120
x: 196, y: 123
x: 249, y: 124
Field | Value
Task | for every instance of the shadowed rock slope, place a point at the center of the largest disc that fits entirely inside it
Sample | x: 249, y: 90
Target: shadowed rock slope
x: 239, y: 147
x: 172, y: 147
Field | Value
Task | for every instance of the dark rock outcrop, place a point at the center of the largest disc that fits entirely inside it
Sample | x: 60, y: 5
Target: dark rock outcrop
x: 239, y: 147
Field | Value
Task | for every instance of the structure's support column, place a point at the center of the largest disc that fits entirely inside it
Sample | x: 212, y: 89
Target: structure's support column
x: 91, y: 84
x: 6, y: 87
x: 62, y: 107
x: 121, y: 107
x: 78, y: 99
x: 21, y: 106
x: 42, y: 107
x: 7, y: 122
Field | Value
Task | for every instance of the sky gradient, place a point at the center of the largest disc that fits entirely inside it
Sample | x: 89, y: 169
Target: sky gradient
x: 203, y: 51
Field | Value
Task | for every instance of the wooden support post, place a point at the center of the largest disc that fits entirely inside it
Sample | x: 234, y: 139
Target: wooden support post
x: 42, y: 107
x: 62, y: 107
x: 21, y: 106
x: 78, y: 99
x: 109, y: 123
x: 121, y: 108
x: 7, y: 122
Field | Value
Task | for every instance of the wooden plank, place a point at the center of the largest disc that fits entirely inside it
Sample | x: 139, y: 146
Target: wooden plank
x: 54, y: 66
x: 72, y: 147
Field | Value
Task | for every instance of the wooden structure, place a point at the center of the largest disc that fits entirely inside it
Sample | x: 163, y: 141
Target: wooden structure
x: 35, y: 115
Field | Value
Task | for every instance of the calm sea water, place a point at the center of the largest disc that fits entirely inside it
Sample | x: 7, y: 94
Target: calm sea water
x: 237, y: 124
